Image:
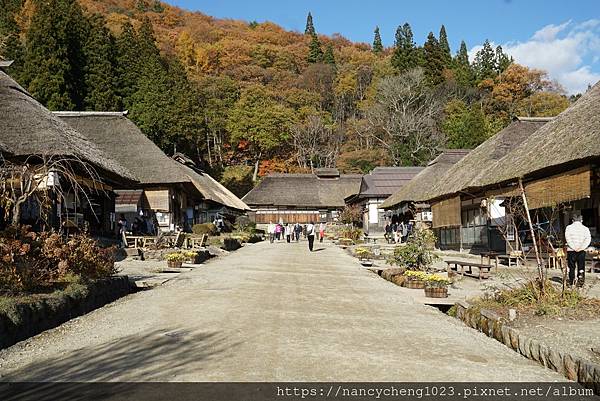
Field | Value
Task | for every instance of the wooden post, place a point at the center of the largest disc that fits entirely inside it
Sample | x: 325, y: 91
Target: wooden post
x: 535, y: 247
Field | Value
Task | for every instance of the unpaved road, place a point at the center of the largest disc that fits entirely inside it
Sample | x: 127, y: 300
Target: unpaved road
x: 268, y: 312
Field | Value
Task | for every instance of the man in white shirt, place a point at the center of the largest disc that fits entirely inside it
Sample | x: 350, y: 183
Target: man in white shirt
x: 271, y: 231
x: 578, y: 239
x: 310, y: 234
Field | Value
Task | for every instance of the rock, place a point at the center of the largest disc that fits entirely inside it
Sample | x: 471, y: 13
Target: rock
x: 555, y: 361
x: 505, y: 331
x: 534, y: 350
x: 571, y: 367
x: 524, y: 345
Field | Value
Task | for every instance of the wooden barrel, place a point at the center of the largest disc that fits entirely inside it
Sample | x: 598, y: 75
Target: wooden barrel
x: 414, y: 284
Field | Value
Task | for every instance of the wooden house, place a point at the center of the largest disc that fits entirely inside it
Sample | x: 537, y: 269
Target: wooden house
x: 78, y: 179
x: 375, y: 188
x: 410, y: 201
x: 301, y: 198
x: 463, y: 216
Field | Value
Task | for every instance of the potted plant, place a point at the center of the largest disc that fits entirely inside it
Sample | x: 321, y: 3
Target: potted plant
x: 175, y: 260
x: 415, y: 279
x: 364, y: 255
x: 191, y: 256
x: 436, y: 286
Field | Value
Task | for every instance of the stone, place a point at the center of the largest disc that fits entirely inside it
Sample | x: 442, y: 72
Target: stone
x: 534, y: 350
x: 505, y: 330
x: 555, y: 361
x: 514, y: 339
x: 512, y: 314
x: 524, y: 345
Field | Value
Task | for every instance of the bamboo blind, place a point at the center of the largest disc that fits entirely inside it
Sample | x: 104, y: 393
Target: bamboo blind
x: 565, y: 187
x: 446, y: 213
x: 158, y: 199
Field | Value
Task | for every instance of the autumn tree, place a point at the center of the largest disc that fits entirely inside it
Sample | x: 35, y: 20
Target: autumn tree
x: 316, y: 142
x: 377, y: 44
x: 259, y: 120
x: 404, y: 117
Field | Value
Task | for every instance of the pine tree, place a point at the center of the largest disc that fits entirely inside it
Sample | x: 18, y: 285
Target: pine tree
x: 328, y: 57
x: 406, y: 55
x: 315, y: 54
x: 11, y: 47
x: 52, y: 59
x: 310, y: 28
x: 377, y: 45
x: 462, y: 69
x: 502, y: 60
x: 434, y: 60
x: 484, y: 63
x: 445, y: 46
x: 127, y: 63
x: 100, y: 76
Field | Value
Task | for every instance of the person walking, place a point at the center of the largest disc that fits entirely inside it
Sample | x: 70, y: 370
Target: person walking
x: 271, y: 231
x: 321, y: 231
x: 394, y: 229
x: 310, y: 234
x: 388, y: 232
x: 297, y: 231
x: 278, y: 231
x: 288, y: 233
x: 578, y: 238
x: 404, y: 230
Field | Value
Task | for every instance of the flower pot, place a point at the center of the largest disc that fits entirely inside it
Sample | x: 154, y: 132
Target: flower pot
x: 436, y: 292
x: 174, y: 264
x: 414, y: 284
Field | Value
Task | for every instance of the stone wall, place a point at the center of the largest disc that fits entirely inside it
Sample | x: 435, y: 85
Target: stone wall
x: 572, y: 367
x: 29, y: 319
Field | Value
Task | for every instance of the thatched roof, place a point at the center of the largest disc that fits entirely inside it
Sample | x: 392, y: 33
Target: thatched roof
x: 303, y: 190
x: 482, y: 160
x: 419, y: 188
x: 571, y: 138
x: 118, y: 136
x: 27, y: 128
x: 384, y: 181
x: 213, y: 190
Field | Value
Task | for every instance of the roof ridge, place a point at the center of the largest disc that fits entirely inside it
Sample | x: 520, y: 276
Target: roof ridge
x: 91, y: 113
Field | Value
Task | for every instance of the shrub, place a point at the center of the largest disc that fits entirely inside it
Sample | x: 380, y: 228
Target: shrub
x: 243, y: 223
x: 417, y: 253
x: 352, y: 233
x: 238, y: 179
x: 363, y: 253
x: 204, y: 228
x: 351, y: 215
x: 33, y: 261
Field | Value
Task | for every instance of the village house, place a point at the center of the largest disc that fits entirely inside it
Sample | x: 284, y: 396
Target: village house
x: 557, y: 167
x: 463, y: 216
x: 301, y: 198
x: 169, y: 193
x: 72, y: 182
x: 410, y: 201
x: 375, y: 188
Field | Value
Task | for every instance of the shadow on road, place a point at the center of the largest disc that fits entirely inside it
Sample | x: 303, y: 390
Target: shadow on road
x: 318, y: 249
x: 158, y: 355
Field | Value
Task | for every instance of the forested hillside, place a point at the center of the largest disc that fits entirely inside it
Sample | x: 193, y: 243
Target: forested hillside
x: 247, y: 98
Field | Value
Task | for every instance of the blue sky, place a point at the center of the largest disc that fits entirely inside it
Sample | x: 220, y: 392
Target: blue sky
x: 560, y: 36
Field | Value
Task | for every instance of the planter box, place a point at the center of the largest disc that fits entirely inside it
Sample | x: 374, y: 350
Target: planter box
x: 174, y: 264
x: 414, y: 284
x: 436, y: 292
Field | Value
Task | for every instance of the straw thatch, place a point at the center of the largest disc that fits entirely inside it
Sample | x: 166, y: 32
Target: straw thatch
x: 481, y: 161
x: 419, y: 188
x: 118, y: 136
x: 384, y: 181
x: 569, y: 140
x: 213, y: 190
x: 29, y: 129
x: 303, y: 190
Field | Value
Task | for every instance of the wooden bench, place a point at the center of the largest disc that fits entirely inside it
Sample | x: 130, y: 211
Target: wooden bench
x: 373, y: 239
x: 516, y: 256
x: 193, y: 242
x: 483, y: 269
x: 489, y: 256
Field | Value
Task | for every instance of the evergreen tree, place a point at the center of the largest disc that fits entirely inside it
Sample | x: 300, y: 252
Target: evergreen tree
x: 377, y: 45
x: 100, y: 76
x: 328, y: 57
x: 53, y: 61
x: 310, y: 28
x: 127, y: 63
x: 462, y: 69
x: 11, y: 47
x: 502, y: 60
x: 315, y: 54
x: 445, y: 47
x: 406, y: 55
x: 484, y: 63
x: 434, y: 60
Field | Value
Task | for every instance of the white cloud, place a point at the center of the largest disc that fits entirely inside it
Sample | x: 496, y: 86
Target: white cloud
x: 568, y: 52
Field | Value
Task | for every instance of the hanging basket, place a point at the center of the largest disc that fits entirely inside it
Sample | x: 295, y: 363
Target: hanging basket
x: 414, y: 284
x: 436, y: 292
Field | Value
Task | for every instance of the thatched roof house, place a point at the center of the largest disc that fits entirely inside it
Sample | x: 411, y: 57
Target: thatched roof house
x: 29, y: 129
x: 570, y: 140
x: 468, y: 173
x: 419, y: 188
x: 307, y: 194
x: 384, y: 181
x: 118, y: 136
